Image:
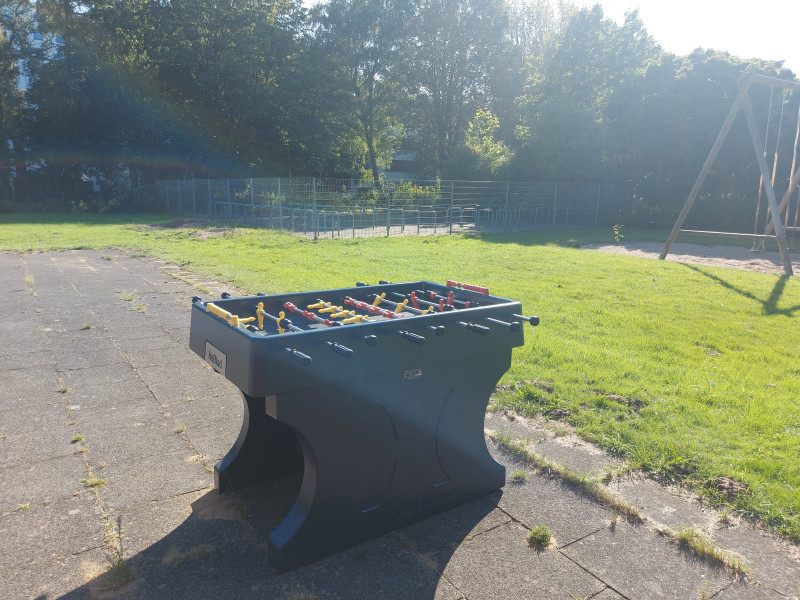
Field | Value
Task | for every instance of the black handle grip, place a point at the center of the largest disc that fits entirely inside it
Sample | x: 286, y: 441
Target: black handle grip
x: 534, y: 321
x: 412, y: 337
x: 303, y: 359
x: 371, y: 340
x: 480, y: 329
x: 225, y: 295
x: 341, y: 350
x: 439, y: 330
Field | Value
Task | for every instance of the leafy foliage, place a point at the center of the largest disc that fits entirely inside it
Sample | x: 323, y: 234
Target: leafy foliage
x: 472, y: 89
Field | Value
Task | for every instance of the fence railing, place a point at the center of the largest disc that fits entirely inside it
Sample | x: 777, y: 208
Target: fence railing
x: 347, y: 208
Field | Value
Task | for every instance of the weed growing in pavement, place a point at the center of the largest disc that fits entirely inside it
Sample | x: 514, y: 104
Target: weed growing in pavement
x: 93, y: 482
x: 539, y: 536
x: 119, y: 570
x: 519, y: 476
x: 704, y: 547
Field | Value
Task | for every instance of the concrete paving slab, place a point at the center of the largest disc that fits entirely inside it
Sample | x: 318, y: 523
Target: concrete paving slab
x: 163, y: 341
x: 212, y: 442
x: 34, y: 414
x: 197, y: 380
x: 671, y: 507
x: 25, y: 359
x: 638, y: 563
x: 224, y: 411
x: 772, y: 562
x: 41, y: 481
x: 52, y: 531
x: 542, y: 499
x: 146, y: 525
x: 56, y: 579
x: 124, y: 441
x: 741, y: 590
x: 380, y: 568
x: 438, y: 537
x: 33, y: 341
x: 72, y: 358
x: 34, y: 446
x: 136, y: 482
x: 25, y: 383
x: 105, y: 378
x: 124, y: 412
x: 499, y: 564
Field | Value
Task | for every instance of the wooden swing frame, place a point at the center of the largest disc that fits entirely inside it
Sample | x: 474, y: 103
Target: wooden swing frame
x: 742, y: 103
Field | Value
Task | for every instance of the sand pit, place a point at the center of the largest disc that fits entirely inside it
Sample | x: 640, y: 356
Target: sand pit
x: 732, y: 257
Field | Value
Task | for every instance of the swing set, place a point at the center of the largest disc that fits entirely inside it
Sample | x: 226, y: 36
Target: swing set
x: 776, y: 220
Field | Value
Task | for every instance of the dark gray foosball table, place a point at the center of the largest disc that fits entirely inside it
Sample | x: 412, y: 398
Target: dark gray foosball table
x: 376, y: 393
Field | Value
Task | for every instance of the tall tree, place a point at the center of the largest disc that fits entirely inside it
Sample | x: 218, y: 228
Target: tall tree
x: 368, y: 39
x: 456, y: 45
x: 17, y: 49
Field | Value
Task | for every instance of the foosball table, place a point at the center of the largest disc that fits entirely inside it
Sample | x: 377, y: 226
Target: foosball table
x: 376, y: 393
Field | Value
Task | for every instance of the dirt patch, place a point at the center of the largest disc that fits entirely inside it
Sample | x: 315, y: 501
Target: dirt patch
x: 207, y: 228
x: 187, y: 222
x: 727, y: 486
x: 732, y: 257
x: 204, y: 234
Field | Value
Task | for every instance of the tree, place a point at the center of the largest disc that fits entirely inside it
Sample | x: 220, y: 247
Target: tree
x: 481, y: 156
x: 455, y: 45
x: 367, y: 38
x: 16, y: 50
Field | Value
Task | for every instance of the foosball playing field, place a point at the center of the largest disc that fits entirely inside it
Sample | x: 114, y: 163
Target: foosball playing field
x: 377, y: 393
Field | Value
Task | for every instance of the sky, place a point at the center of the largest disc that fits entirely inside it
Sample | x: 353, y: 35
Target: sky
x: 766, y: 29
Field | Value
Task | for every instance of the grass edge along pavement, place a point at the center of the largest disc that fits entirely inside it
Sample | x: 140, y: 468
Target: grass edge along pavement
x: 690, y: 373
x: 690, y: 538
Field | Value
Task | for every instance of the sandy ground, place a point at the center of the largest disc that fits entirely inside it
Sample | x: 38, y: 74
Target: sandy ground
x: 715, y: 256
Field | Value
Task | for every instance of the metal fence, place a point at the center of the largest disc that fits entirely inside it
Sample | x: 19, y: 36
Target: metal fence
x: 347, y: 208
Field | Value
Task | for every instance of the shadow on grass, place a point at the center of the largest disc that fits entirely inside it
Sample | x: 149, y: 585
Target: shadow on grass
x: 770, y: 304
x: 77, y: 218
x: 566, y: 238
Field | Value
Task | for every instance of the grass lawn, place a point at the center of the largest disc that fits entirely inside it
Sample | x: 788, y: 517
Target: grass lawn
x: 689, y: 372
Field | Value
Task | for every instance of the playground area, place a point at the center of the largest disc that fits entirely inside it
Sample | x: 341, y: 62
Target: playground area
x: 733, y: 257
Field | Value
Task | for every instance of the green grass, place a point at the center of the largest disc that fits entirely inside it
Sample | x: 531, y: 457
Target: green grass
x: 539, y: 536
x: 689, y: 372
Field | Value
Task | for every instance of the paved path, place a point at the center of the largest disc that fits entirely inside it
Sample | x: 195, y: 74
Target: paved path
x: 99, y: 386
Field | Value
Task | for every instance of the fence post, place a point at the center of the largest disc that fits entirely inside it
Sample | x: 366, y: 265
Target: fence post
x: 228, y: 183
x: 452, y: 183
x: 555, y: 202
x: 597, y: 207
x: 194, y: 200
x: 388, y: 211
x: 208, y: 181
x: 314, y: 218
x: 505, y: 215
x: 180, y: 211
